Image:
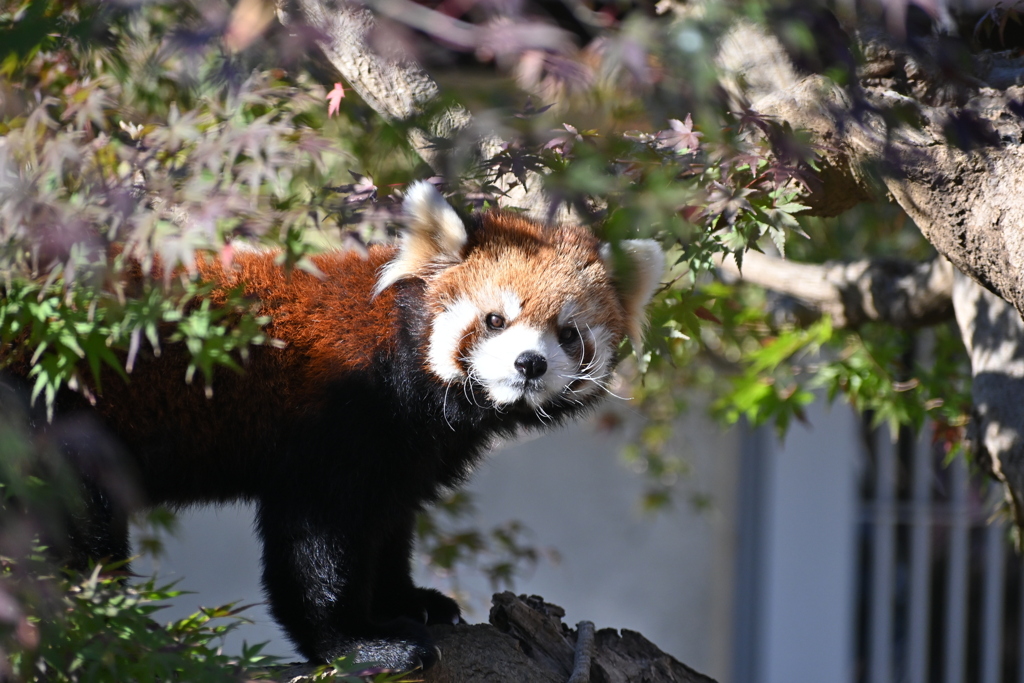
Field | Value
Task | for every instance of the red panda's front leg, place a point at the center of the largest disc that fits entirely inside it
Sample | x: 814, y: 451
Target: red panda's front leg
x: 395, y: 594
x: 319, y: 564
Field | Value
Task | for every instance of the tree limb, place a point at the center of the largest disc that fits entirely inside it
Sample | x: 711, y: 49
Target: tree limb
x: 959, y: 174
x: 533, y: 630
x: 397, y: 88
x: 966, y: 203
x: 993, y: 333
x: 526, y: 642
x: 900, y: 293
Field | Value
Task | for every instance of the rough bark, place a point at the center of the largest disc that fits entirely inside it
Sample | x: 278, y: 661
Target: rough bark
x: 526, y: 642
x: 968, y: 206
x: 993, y: 333
x: 966, y: 202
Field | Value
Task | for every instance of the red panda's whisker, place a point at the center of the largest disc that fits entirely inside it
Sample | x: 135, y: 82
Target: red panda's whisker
x: 444, y: 405
x: 583, y: 346
x: 467, y: 389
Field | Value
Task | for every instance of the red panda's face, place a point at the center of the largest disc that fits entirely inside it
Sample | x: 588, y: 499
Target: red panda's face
x: 523, y: 314
x: 528, y: 315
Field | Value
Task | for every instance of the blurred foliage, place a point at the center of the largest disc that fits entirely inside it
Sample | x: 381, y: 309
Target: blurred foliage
x: 56, y: 626
x: 134, y: 125
x: 94, y: 628
x: 450, y: 541
x: 143, y: 138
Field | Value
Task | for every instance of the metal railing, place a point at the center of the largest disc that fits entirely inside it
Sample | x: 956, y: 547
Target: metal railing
x: 939, y: 585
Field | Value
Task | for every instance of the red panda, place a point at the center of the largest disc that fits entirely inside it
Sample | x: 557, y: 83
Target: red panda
x: 396, y: 373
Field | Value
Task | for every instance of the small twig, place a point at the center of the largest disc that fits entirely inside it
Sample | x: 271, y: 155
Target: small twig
x: 584, y: 653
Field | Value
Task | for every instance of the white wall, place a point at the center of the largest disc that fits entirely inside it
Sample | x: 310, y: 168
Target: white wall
x: 806, y: 620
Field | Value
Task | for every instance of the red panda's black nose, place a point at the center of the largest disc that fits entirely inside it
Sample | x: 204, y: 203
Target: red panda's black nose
x: 531, y: 365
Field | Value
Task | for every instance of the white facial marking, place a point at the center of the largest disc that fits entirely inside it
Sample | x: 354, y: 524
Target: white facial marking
x: 511, y: 304
x: 493, y: 361
x: 574, y: 372
x: 448, y: 330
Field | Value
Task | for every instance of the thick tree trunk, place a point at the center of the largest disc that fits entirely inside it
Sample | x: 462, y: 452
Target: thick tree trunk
x: 966, y: 203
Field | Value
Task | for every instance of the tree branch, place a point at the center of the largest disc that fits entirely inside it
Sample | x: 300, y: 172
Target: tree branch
x: 526, y: 642
x: 959, y: 174
x: 397, y: 88
x: 993, y: 333
x: 900, y: 293
x: 966, y: 203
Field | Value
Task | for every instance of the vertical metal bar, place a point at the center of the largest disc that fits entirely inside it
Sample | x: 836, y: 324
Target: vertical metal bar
x: 920, y: 563
x: 747, y: 604
x: 992, y: 597
x: 882, y: 560
x: 956, y: 586
x: 1020, y: 626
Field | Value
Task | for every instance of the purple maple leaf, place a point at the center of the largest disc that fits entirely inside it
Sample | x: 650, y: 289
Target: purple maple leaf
x: 680, y: 137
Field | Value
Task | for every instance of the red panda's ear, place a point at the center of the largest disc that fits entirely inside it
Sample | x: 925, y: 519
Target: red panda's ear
x: 636, y: 267
x: 434, y: 236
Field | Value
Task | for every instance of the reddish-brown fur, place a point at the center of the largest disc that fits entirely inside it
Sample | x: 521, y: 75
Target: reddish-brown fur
x: 545, y: 266
x: 327, y: 330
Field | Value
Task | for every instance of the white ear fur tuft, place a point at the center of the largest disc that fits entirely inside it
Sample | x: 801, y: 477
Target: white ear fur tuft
x: 636, y: 279
x: 434, y: 235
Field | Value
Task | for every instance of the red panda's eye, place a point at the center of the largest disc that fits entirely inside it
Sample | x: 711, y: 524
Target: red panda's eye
x: 568, y: 335
x: 495, y: 321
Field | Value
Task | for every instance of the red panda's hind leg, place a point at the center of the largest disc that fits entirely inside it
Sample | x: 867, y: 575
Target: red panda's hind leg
x: 97, y: 532
x: 91, y: 484
x: 319, y: 563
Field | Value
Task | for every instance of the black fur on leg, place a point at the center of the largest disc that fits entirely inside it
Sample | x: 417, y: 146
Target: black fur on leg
x: 395, y: 594
x: 319, y: 575
x: 92, y: 486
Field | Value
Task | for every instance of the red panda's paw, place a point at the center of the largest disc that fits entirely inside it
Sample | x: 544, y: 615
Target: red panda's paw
x: 437, y: 607
x: 400, y: 645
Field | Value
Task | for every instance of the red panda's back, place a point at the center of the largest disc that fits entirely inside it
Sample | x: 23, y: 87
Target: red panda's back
x: 324, y: 329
